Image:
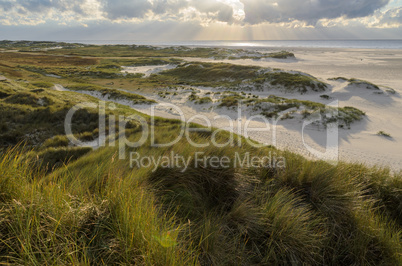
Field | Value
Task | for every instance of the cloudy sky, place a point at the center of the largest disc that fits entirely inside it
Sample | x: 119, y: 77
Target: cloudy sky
x: 174, y: 20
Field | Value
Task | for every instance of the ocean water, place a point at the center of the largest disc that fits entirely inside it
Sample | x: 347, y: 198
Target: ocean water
x: 362, y: 44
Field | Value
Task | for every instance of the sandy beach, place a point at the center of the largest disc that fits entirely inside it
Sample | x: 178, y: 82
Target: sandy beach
x: 358, y: 144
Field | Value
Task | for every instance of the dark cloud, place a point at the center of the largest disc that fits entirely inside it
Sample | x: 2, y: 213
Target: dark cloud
x: 42, y: 6
x: 106, y: 30
x: 123, y: 9
x: 258, y: 11
x: 115, y: 9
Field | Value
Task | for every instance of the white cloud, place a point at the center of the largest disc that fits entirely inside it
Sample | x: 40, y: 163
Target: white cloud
x: 232, y: 16
x: 391, y: 18
x: 33, y: 12
x: 310, y: 11
x: 297, y: 12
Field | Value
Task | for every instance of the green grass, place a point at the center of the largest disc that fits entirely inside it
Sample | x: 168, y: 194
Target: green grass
x: 29, y: 99
x: 339, y: 79
x: 293, y: 82
x: 55, y: 224
x: 367, y: 84
x: 198, y: 100
x: 152, y: 52
x: 31, y: 45
x: 42, y: 84
x: 11, y: 59
x: 36, y: 117
x: 98, y: 209
x: 229, y: 101
x: 56, y: 141
x: 358, y: 82
x: 112, y: 93
x: 235, y: 76
x: 350, y: 114
x: 193, y: 97
x: 138, y: 51
x: 384, y: 134
x: 281, y: 55
x: 211, y: 74
x: 203, y: 100
x: 63, y: 205
x: 273, y: 106
x: 52, y: 158
x: 236, y: 54
x: 23, y: 119
x: 96, y: 71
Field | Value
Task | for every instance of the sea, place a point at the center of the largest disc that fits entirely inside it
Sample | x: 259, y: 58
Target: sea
x: 353, y: 44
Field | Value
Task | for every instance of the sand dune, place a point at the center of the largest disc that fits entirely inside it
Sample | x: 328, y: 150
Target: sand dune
x: 359, y: 144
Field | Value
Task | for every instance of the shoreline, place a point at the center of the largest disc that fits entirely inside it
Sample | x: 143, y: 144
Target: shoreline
x: 280, y: 44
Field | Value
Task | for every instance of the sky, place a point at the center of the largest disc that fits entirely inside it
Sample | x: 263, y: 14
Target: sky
x: 186, y: 20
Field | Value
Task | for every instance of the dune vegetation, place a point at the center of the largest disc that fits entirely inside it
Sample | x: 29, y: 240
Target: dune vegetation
x: 359, y: 83
x: 238, y: 77
x: 277, y: 107
x: 98, y: 210
x: 139, y: 50
x: 111, y: 93
x: 63, y: 204
x: 384, y: 134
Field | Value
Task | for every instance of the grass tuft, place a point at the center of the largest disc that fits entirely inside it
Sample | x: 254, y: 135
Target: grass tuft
x: 112, y: 93
x: 384, y: 134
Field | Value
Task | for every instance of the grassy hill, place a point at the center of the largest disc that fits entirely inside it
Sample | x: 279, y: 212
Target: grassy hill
x: 61, y: 204
x: 98, y: 210
x: 95, y: 209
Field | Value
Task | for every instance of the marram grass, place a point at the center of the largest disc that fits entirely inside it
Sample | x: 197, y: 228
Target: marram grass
x: 97, y: 210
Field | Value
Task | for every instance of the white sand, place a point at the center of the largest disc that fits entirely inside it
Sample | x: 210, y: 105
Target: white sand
x: 53, y: 76
x: 58, y: 87
x: 146, y: 70
x: 360, y: 143
x: 384, y: 112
